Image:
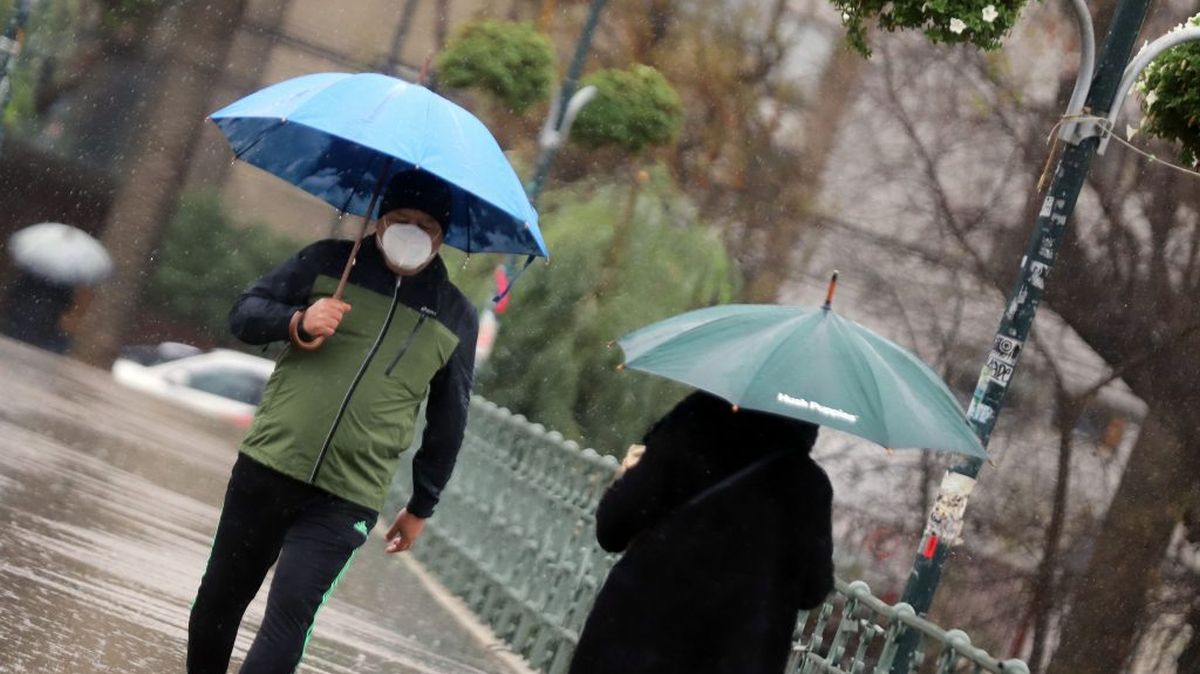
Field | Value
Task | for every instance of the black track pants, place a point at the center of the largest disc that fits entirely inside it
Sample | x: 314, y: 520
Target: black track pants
x: 267, y: 517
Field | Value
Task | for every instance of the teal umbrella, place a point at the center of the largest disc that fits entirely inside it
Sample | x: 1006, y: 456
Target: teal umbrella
x: 811, y: 364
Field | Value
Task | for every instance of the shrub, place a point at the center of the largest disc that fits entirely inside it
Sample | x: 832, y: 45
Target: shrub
x: 511, y: 61
x: 633, y: 109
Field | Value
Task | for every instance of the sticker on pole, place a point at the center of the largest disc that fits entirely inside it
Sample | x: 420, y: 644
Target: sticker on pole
x: 946, y: 520
x: 1003, y: 359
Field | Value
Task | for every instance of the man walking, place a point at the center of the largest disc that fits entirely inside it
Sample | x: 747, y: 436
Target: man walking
x: 313, y: 471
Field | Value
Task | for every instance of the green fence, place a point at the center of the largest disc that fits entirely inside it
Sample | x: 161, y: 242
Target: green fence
x: 513, y: 537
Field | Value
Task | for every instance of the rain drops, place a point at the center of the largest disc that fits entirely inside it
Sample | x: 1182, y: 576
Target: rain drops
x: 990, y: 14
x: 957, y: 26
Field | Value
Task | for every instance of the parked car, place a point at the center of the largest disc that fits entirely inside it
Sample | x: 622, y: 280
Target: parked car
x: 221, y: 383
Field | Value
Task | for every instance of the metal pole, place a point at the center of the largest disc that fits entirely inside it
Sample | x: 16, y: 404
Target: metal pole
x: 559, y: 109
x: 554, y: 131
x: 945, y: 521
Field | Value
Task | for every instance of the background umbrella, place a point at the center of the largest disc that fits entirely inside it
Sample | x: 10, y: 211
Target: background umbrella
x: 60, y: 253
x: 340, y: 136
x: 811, y: 364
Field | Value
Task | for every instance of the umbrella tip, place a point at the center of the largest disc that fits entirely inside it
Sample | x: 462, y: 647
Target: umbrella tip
x: 832, y: 289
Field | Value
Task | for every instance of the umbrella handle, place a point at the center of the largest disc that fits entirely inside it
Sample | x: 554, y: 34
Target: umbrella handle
x: 294, y: 334
x: 294, y: 324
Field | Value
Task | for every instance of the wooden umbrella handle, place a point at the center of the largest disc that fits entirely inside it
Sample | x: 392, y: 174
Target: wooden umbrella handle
x: 294, y: 334
x: 294, y: 325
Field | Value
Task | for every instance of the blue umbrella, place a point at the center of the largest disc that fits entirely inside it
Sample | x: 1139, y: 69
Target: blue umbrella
x: 339, y: 136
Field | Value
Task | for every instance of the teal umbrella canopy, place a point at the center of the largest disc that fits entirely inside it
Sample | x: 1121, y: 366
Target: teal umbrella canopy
x: 810, y: 364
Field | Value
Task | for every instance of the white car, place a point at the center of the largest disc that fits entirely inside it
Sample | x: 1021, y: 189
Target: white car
x: 221, y: 383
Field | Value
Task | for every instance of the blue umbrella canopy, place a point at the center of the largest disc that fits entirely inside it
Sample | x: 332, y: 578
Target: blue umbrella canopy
x: 811, y: 364
x: 338, y: 135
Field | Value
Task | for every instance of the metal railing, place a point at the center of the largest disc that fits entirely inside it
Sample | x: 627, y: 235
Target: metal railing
x: 514, y: 538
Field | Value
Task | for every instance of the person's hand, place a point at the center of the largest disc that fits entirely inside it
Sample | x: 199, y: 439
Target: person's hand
x: 404, y: 531
x: 632, y: 456
x: 323, y: 317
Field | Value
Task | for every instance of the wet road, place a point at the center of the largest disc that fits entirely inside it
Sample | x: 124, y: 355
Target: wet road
x: 108, y: 502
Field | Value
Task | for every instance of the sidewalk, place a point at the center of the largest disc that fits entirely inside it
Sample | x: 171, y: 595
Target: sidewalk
x: 108, y: 502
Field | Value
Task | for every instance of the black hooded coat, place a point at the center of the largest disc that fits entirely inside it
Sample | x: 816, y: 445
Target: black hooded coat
x: 725, y: 524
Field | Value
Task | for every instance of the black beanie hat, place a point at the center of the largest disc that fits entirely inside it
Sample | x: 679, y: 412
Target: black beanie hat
x: 420, y: 191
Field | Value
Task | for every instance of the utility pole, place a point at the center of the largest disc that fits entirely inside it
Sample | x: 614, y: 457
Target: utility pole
x: 945, y: 521
x: 558, y: 112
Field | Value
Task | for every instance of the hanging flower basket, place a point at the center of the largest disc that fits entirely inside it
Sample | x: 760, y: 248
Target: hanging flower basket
x: 981, y: 22
x: 1170, y: 89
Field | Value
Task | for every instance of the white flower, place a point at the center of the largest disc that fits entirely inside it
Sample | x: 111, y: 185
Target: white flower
x: 1131, y: 131
x: 990, y: 14
x: 1151, y: 98
x: 957, y: 26
x: 846, y: 16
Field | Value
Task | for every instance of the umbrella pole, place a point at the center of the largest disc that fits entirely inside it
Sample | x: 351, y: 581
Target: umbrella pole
x: 832, y: 289
x: 294, y: 325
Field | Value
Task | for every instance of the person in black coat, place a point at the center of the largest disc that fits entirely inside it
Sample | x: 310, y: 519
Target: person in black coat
x: 35, y: 308
x: 725, y: 524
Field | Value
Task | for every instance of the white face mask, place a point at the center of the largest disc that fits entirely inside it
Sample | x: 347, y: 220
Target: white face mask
x: 406, y: 246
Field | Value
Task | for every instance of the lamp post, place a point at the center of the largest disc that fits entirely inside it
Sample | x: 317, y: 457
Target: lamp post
x: 567, y: 104
x: 1085, y: 135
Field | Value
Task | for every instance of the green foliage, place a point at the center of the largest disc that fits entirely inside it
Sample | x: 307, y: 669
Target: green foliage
x: 511, y: 61
x: 981, y: 22
x: 552, y: 361
x: 138, y: 14
x: 633, y: 109
x: 51, y: 35
x: 206, y: 260
x: 1170, y: 88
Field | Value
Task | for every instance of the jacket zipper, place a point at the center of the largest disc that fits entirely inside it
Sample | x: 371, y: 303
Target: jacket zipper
x: 425, y: 314
x: 362, y: 369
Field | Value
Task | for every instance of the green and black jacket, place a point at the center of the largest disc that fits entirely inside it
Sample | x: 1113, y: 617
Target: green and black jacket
x: 339, y: 417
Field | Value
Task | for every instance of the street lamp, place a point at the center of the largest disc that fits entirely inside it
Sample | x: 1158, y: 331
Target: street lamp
x: 561, y: 116
x: 566, y: 106
x: 1085, y: 135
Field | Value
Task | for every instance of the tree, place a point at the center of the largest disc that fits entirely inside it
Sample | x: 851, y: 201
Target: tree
x: 958, y: 167
x: 674, y: 262
x: 195, y: 281
x: 512, y: 62
x: 634, y: 109
x: 143, y: 204
x: 754, y: 143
